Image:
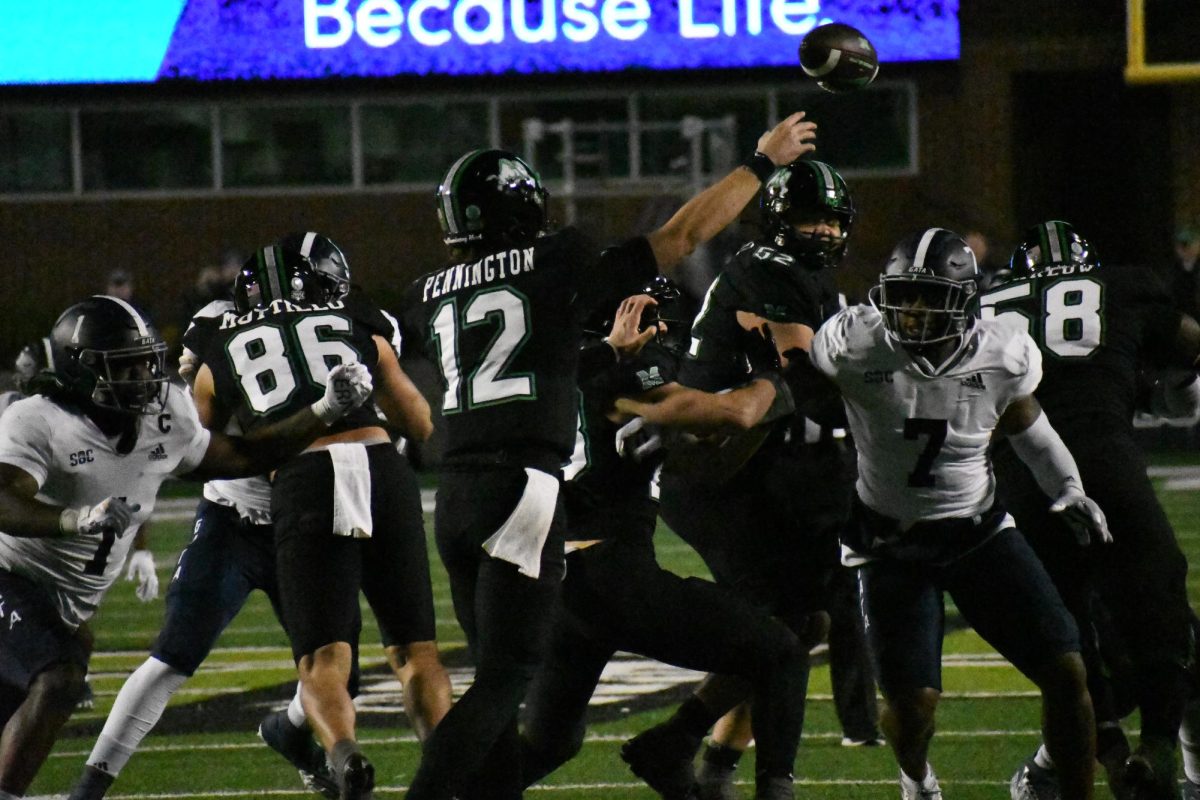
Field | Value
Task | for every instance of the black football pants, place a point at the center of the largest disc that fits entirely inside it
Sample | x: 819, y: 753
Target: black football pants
x: 474, y: 750
x: 616, y: 597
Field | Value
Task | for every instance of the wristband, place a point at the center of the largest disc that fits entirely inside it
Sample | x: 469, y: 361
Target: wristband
x: 326, y: 411
x: 68, y: 522
x: 761, y: 165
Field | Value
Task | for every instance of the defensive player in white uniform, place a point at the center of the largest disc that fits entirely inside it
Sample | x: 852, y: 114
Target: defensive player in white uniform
x: 80, y: 464
x: 926, y: 386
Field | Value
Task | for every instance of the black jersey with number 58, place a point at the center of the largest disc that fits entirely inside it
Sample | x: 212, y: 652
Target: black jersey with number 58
x: 505, y: 330
x: 1096, y: 326
x: 274, y: 361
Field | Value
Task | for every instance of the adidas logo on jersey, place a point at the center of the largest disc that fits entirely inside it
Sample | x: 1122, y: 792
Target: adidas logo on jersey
x: 158, y: 453
x: 973, y: 382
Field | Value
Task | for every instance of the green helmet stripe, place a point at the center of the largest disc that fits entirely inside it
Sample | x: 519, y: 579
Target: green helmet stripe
x: 449, y: 190
x: 829, y: 187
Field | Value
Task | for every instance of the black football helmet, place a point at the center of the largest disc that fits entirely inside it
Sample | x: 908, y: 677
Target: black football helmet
x: 1051, y: 244
x: 807, y: 191
x: 491, y: 196
x: 928, y: 290
x: 103, y: 351
x: 328, y: 262
x: 275, y: 273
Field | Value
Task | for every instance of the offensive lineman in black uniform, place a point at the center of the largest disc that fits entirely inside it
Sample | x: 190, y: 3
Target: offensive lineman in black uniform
x: 1097, y: 327
x: 617, y: 597
x: 766, y: 532
x: 346, y: 511
x: 504, y: 322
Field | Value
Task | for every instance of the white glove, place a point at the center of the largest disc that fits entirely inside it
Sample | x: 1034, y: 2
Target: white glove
x: 348, y: 386
x: 1082, y: 515
x: 141, y: 569
x: 637, y: 440
x: 189, y: 362
x: 110, y: 514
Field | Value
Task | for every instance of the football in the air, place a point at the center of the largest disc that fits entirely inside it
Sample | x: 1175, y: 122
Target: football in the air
x: 839, y: 57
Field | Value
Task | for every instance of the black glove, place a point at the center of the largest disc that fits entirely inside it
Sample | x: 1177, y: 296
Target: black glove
x: 815, y: 395
x: 761, y: 352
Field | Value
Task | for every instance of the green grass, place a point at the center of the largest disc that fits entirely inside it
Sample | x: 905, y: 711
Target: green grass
x: 206, y: 746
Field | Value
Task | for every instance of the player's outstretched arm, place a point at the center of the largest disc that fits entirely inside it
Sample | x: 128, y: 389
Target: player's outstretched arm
x: 22, y: 514
x: 348, y: 387
x: 402, y: 403
x: 1054, y: 468
x: 703, y: 217
x: 702, y: 412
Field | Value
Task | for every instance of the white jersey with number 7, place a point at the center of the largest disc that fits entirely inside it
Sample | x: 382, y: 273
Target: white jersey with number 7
x: 923, y: 440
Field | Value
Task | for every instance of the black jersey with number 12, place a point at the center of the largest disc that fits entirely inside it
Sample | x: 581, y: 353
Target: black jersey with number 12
x: 505, y: 332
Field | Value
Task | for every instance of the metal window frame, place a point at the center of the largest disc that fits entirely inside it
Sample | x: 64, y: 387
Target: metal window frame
x: 633, y: 185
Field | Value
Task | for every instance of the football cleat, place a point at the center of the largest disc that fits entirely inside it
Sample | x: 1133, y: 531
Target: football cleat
x: 1033, y: 782
x: 662, y: 757
x: 875, y: 740
x: 927, y: 789
x: 715, y: 782
x: 1144, y: 779
x: 302, y: 752
x: 357, y: 778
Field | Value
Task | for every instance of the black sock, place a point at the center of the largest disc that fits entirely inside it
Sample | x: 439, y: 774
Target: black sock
x: 693, y: 718
x: 721, y: 755
x: 92, y: 784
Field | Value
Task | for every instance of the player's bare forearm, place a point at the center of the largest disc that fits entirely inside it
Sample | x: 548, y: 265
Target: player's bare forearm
x: 261, y: 451
x: 706, y: 214
x: 21, y: 514
x: 704, y: 412
x: 402, y: 403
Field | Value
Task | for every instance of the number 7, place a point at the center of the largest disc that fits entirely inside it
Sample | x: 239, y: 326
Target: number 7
x: 922, y: 475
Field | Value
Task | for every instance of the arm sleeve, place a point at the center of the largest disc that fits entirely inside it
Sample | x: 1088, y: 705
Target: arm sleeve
x: 1023, y: 360
x: 829, y: 344
x: 25, y: 440
x: 1043, y: 451
x: 192, y: 435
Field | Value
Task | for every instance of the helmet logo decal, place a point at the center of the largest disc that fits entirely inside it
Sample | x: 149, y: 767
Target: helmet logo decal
x: 78, y: 325
x: 511, y: 171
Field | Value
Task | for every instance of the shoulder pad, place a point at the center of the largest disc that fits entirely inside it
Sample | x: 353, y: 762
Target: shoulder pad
x: 213, y: 310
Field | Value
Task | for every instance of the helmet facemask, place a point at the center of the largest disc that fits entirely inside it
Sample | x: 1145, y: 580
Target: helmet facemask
x: 921, y: 311
x: 132, y: 380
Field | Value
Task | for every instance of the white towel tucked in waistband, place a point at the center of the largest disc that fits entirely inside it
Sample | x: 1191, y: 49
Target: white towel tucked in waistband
x: 351, y: 489
x: 523, y: 535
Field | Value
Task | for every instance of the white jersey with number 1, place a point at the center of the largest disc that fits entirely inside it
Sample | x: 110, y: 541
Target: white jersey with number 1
x: 923, y: 440
x: 75, y: 464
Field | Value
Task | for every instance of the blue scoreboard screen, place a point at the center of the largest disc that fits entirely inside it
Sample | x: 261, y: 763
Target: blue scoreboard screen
x: 153, y: 41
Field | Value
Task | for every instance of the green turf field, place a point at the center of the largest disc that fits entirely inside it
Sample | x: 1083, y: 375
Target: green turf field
x: 206, y: 747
